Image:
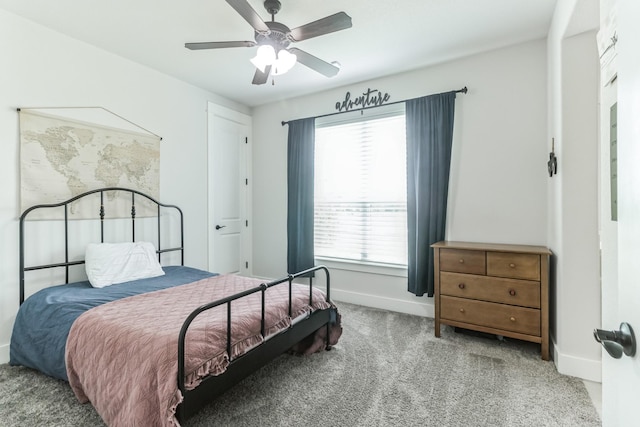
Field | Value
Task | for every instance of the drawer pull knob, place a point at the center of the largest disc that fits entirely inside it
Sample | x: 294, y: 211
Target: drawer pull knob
x: 512, y: 292
x: 461, y: 261
x: 513, y: 319
x: 462, y: 310
x: 512, y: 265
x: 461, y: 285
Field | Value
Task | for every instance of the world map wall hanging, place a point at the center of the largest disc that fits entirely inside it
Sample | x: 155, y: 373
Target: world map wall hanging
x: 62, y: 157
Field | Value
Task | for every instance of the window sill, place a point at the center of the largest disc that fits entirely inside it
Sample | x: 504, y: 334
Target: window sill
x: 371, y: 268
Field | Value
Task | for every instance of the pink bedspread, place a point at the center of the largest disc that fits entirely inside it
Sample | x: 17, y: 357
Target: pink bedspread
x: 122, y: 356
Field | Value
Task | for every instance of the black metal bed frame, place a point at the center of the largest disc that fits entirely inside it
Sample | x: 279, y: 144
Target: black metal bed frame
x: 242, y: 366
x: 239, y: 367
x: 65, y: 205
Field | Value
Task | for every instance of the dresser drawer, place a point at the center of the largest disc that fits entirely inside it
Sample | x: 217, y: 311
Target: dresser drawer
x: 523, y: 293
x: 499, y: 316
x: 514, y: 265
x: 462, y: 261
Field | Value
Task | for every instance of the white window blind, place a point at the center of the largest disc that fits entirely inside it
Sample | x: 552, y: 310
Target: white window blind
x: 360, y: 190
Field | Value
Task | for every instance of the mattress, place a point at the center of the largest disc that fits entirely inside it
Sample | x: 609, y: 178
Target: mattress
x: 131, y: 344
x: 45, y: 318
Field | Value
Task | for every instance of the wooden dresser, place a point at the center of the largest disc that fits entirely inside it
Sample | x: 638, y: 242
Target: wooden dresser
x: 494, y: 288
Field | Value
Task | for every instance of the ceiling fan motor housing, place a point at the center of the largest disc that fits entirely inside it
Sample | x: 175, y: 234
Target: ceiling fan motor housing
x: 277, y: 36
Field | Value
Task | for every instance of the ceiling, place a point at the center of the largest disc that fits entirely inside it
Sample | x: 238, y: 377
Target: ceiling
x: 387, y: 37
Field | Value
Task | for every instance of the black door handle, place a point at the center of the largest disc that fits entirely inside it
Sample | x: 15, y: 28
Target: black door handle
x: 218, y: 227
x: 617, y: 342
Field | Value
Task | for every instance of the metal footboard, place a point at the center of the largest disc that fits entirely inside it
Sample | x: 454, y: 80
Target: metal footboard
x: 249, y: 362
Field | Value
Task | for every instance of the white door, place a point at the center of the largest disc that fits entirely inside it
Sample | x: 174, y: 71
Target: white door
x: 228, y: 190
x: 621, y: 377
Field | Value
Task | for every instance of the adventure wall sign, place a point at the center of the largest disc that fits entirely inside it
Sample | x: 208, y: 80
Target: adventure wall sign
x: 370, y: 98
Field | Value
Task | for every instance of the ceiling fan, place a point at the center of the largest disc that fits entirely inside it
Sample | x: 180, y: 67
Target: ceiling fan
x: 274, y: 55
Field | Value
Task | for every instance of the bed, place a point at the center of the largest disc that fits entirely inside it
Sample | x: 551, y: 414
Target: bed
x: 153, y: 348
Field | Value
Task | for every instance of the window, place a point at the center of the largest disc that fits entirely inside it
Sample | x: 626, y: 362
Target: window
x: 361, y: 188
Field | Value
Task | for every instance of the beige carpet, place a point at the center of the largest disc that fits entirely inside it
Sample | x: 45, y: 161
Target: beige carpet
x: 387, y: 370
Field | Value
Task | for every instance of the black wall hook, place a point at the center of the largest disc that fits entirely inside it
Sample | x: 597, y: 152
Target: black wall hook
x: 552, y: 164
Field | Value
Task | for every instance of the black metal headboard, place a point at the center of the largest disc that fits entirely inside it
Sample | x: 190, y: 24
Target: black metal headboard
x: 101, y: 216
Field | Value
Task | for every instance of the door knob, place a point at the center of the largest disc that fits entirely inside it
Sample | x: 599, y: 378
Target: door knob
x: 617, y: 342
x: 218, y: 227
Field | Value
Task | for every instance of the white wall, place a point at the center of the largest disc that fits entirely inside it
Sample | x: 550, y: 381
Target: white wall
x: 42, y: 68
x: 573, y: 195
x: 498, y: 173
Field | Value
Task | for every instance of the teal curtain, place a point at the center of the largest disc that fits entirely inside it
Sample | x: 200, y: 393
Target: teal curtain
x: 429, y: 140
x: 300, y: 175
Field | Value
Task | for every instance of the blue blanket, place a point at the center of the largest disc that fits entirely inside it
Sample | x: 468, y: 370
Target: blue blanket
x: 44, y: 320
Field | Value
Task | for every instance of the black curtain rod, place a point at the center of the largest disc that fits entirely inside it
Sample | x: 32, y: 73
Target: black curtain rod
x: 463, y: 90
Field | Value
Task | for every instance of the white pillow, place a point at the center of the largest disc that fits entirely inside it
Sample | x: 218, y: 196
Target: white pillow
x: 110, y: 263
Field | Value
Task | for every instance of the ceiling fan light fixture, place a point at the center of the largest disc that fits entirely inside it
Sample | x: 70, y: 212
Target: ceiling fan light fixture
x: 265, y: 56
x: 285, y: 61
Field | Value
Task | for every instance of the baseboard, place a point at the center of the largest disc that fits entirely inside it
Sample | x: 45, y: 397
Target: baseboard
x: 4, y: 353
x: 376, y: 301
x: 586, y: 369
x: 384, y: 303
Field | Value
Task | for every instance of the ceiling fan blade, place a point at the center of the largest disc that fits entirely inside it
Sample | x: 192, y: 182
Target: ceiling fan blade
x: 218, y: 45
x: 330, y: 24
x: 259, y: 77
x: 249, y: 14
x: 315, y: 63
